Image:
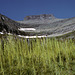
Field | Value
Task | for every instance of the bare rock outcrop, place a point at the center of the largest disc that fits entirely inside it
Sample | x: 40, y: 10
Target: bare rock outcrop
x: 40, y: 17
x: 8, y: 25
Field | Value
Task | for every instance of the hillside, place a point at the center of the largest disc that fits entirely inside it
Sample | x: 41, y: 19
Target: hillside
x: 45, y: 24
x: 49, y: 25
x: 8, y: 25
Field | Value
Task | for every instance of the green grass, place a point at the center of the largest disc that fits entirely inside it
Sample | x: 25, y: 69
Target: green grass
x: 40, y: 57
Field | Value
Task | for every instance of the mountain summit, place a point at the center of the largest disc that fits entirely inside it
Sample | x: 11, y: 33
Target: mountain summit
x: 40, y: 17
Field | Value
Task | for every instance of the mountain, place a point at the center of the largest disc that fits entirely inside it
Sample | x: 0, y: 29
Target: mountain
x: 39, y: 17
x: 49, y: 25
x: 8, y: 25
x: 45, y: 24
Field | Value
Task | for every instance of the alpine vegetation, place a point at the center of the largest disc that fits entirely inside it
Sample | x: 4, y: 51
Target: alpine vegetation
x: 37, y: 56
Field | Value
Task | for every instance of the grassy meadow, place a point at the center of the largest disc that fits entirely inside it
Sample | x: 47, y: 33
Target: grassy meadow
x: 37, y: 56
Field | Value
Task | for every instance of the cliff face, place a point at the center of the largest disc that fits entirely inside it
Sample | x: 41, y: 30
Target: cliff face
x: 7, y: 24
x: 40, y: 17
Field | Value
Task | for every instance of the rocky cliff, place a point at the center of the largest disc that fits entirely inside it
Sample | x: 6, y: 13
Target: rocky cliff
x: 40, y: 17
x: 8, y: 25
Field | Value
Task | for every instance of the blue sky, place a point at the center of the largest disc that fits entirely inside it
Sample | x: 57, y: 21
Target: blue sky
x: 18, y: 9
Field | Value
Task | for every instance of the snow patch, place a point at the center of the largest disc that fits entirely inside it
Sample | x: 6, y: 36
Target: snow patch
x: 32, y: 36
x: 25, y: 29
x: 10, y: 34
x: 1, y: 33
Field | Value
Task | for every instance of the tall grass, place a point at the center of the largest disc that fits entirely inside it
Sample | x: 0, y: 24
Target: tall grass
x: 37, y: 57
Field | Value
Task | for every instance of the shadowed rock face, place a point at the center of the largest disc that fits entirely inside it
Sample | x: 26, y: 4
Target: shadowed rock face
x: 8, y: 25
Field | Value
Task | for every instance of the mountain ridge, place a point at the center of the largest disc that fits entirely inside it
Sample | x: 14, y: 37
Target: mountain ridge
x: 40, y: 17
x: 45, y: 26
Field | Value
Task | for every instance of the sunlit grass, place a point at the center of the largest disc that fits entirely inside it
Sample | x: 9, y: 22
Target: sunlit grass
x: 37, y: 57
